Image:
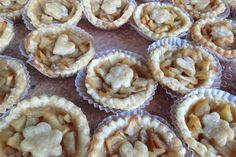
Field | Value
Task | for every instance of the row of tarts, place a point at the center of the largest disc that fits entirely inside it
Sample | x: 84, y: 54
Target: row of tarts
x: 118, y: 80
x: 52, y: 126
x: 154, y: 20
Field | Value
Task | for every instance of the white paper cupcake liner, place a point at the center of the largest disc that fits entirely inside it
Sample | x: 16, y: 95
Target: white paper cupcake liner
x: 55, y: 27
x: 181, y: 35
x: 22, y: 49
x: 174, y: 41
x: 5, y: 45
x: 210, y: 92
x: 25, y: 93
x: 82, y: 90
x: 142, y: 113
x: 226, y: 13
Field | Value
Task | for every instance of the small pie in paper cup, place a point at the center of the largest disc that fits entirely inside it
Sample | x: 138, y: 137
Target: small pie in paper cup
x: 206, y: 120
x: 12, y: 9
x: 182, y: 67
x: 38, y: 13
x: 116, y: 80
x: 134, y: 134
x: 14, y: 82
x: 44, y: 126
x: 108, y: 14
x: 58, y: 50
x: 155, y: 20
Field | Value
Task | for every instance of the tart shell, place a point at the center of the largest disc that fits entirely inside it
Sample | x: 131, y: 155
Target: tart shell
x: 108, y: 25
x: 153, y: 36
x: 31, y: 19
x: 45, y: 101
x: 181, y: 108
x: 81, y: 62
x: 197, y: 36
x: 22, y: 83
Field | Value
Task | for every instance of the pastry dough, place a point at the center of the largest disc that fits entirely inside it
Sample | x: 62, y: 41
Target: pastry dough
x: 59, y: 50
x: 108, y: 14
x: 43, y: 127
x: 210, y: 133
x: 119, y: 81
x: 12, y: 9
x: 46, y: 12
x: 216, y: 34
x: 183, y: 69
x: 6, y: 33
x: 202, y: 8
x: 135, y: 136
x: 158, y: 20
x: 14, y: 82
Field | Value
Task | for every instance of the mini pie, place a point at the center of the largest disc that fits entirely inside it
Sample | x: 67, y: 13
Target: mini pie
x: 183, y: 69
x: 108, y: 14
x: 59, y: 50
x: 217, y: 34
x: 6, y: 33
x: 119, y: 81
x: 135, y: 136
x: 13, y: 82
x: 208, y: 125
x: 202, y: 8
x: 45, y: 12
x: 12, y: 9
x: 157, y: 20
x: 44, y: 127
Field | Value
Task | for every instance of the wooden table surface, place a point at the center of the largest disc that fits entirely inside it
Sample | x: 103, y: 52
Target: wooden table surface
x: 123, y: 38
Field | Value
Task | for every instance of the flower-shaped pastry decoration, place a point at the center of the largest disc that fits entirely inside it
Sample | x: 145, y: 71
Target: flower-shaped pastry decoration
x: 217, y: 129
x: 42, y: 140
x: 120, y: 76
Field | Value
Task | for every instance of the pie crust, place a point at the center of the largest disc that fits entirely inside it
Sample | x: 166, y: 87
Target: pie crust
x: 183, y: 69
x: 202, y: 8
x: 12, y: 9
x: 43, y: 110
x: 216, y: 34
x: 14, y: 82
x: 6, y: 33
x: 155, y: 138
x: 119, y: 81
x: 173, y: 21
x: 59, y: 50
x: 108, y: 14
x: 45, y: 12
x: 207, y: 124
